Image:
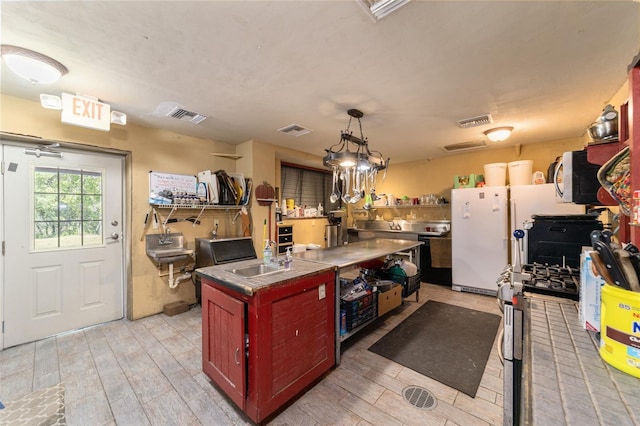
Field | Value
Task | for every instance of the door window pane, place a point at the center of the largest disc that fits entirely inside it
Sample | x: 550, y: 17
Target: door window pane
x: 46, y: 235
x: 68, y: 208
x: 70, y: 181
x: 92, y: 207
x: 45, y: 206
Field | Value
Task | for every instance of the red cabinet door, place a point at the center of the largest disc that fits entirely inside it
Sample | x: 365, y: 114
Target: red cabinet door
x: 223, y: 342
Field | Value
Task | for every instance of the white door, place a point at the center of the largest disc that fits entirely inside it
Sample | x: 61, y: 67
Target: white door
x: 63, y: 261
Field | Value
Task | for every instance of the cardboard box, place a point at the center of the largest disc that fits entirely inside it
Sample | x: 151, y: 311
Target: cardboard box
x: 389, y: 299
x: 590, y: 288
x: 468, y: 181
x: 175, y: 308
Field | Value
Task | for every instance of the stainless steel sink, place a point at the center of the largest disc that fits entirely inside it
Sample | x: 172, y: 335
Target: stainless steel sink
x: 167, y: 248
x: 257, y: 270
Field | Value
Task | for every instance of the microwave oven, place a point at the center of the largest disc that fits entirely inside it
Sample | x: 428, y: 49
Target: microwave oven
x: 576, y: 179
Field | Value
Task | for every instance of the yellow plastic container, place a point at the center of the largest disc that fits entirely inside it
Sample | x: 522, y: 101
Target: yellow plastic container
x: 620, y: 329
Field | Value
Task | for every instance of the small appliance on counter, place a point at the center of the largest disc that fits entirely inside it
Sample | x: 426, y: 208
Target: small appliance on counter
x: 336, y: 230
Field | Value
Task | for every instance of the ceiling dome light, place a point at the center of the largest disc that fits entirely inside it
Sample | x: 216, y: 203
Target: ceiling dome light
x: 32, y: 66
x: 499, y: 134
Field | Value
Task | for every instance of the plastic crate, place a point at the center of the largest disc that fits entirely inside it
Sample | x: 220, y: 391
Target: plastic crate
x: 360, y: 310
x: 409, y: 284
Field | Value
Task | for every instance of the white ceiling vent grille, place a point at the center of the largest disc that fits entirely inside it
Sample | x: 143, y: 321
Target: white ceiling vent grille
x: 475, y: 121
x: 188, y: 116
x: 294, y: 130
x: 463, y: 146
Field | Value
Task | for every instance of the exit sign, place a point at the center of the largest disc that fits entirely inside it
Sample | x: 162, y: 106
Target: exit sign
x: 85, y: 112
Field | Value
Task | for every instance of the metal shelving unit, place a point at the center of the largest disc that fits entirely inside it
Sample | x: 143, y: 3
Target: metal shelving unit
x: 202, y: 208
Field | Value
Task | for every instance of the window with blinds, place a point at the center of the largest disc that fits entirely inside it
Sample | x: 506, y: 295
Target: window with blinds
x: 308, y: 187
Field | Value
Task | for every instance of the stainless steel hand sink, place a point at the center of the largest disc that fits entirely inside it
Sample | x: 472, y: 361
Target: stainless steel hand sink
x: 167, y: 248
x: 257, y: 270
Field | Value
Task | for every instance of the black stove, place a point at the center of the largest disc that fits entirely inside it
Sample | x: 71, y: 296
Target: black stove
x: 555, y: 280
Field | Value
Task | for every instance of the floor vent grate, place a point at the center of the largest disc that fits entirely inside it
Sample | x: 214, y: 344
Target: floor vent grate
x: 419, y: 397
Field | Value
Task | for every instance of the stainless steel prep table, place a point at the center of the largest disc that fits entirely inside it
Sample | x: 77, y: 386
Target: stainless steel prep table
x: 352, y: 254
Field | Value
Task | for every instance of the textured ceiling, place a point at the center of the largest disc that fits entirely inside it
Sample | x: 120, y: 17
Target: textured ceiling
x: 546, y: 68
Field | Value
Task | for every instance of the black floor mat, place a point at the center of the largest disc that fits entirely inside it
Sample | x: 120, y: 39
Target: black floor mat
x: 448, y: 343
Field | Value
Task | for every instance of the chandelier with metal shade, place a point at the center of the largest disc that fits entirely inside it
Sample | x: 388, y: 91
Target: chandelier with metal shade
x: 355, y: 166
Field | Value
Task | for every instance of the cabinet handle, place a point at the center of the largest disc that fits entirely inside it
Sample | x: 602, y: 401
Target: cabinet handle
x: 235, y: 356
x: 557, y: 229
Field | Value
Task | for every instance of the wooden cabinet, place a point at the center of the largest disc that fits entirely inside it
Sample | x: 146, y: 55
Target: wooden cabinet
x: 263, y: 349
x: 223, y: 354
x: 284, y: 237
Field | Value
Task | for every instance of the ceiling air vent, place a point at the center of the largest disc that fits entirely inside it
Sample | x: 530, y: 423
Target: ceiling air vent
x: 294, y: 130
x: 475, y: 121
x: 463, y: 146
x: 188, y: 116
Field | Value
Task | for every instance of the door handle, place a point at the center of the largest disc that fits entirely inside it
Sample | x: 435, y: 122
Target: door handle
x: 235, y: 356
x: 114, y: 236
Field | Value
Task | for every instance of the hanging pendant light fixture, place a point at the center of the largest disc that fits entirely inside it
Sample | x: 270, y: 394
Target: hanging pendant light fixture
x: 354, y: 170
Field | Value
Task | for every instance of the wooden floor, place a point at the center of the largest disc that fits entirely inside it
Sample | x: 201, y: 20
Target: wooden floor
x: 149, y: 372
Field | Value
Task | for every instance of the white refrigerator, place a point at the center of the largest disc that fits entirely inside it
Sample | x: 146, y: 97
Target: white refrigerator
x: 482, y: 225
x: 479, y: 238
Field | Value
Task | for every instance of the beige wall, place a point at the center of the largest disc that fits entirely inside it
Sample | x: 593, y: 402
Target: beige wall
x: 436, y: 176
x: 148, y: 150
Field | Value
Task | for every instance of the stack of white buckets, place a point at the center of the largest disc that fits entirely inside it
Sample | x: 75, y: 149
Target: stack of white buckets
x: 520, y: 173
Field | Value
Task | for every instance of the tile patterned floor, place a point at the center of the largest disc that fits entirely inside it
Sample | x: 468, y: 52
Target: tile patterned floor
x: 149, y: 372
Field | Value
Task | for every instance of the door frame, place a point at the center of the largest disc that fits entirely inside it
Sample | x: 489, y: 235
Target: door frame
x: 33, y: 142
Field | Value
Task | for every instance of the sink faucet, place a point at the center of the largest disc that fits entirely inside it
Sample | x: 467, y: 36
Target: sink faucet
x: 214, y: 233
x: 164, y: 238
x: 274, y: 251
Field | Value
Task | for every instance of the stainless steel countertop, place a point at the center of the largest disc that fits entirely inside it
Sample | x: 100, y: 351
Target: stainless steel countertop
x: 352, y: 253
x: 222, y: 274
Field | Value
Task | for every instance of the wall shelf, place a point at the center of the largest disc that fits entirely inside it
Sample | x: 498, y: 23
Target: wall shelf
x: 225, y: 155
x: 201, y: 207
